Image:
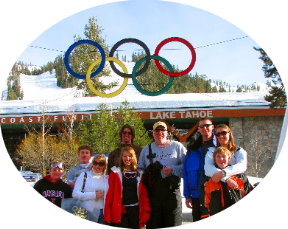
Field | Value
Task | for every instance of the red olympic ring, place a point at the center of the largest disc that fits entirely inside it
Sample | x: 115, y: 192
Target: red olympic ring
x: 175, y: 74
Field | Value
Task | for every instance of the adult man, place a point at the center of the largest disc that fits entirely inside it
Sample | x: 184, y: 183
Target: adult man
x: 52, y: 187
x: 84, y: 154
x: 163, y: 158
x: 127, y: 135
x: 195, y: 176
x: 205, y: 128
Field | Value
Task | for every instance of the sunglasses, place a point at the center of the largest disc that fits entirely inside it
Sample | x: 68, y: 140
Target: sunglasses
x: 126, y: 132
x: 205, y: 125
x: 222, y: 133
x: 58, y: 165
x: 101, y: 163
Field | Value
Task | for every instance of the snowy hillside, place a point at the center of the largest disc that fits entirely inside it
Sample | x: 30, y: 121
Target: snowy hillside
x: 44, y: 87
x: 42, y: 90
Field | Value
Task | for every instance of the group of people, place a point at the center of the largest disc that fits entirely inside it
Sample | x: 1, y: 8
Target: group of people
x: 137, y: 187
x: 214, y: 171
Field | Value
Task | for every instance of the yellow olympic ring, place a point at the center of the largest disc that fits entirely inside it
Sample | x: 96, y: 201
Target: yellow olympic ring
x: 99, y: 93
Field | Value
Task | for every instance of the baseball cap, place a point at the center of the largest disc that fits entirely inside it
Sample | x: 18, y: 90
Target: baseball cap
x: 163, y: 124
x: 58, y: 165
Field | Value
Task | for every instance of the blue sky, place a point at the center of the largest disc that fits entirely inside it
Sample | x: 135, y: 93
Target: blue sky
x: 152, y: 21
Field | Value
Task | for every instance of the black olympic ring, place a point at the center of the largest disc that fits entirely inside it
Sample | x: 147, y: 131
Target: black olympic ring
x: 130, y: 40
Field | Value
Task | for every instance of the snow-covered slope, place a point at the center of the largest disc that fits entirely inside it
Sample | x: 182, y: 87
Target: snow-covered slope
x: 42, y: 92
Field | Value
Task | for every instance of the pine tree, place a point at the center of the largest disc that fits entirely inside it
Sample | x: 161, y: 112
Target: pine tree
x: 82, y: 57
x: 127, y: 116
x: 13, y: 83
x: 277, y: 95
x: 102, y: 130
x: 63, y: 78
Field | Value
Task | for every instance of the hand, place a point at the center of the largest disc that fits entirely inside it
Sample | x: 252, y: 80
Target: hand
x: 188, y: 203
x: 167, y: 171
x: 231, y: 183
x: 217, y: 177
x: 99, y: 194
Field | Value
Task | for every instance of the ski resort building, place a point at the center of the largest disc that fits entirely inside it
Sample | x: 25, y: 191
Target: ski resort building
x: 255, y: 125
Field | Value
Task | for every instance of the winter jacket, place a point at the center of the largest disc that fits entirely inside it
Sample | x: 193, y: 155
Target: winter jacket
x: 53, y: 191
x: 193, y: 172
x: 218, y: 196
x: 93, y: 183
x: 113, y: 203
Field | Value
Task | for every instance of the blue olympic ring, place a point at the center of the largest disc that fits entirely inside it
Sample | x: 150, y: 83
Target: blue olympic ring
x: 70, y: 49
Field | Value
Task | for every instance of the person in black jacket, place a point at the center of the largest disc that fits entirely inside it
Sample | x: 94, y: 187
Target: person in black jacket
x: 52, y: 187
x: 127, y: 135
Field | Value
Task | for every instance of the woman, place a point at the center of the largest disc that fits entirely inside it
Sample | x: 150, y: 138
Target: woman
x: 127, y: 204
x: 94, y: 187
x: 238, y: 163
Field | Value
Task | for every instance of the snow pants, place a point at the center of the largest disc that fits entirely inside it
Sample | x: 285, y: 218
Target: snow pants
x: 166, y: 207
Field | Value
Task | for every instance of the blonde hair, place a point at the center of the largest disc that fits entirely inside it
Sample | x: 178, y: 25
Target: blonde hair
x: 128, y: 149
x: 222, y: 151
x: 100, y: 157
x: 231, y: 144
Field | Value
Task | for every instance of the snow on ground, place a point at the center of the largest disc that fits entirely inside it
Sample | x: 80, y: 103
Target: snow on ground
x: 44, y: 87
x: 42, y: 91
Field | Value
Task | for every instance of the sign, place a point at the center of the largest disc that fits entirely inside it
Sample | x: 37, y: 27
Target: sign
x: 147, y: 115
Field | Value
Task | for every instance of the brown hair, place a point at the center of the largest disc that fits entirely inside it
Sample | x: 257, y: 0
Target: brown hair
x: 87, y: 147
x: 202, y: 119
x: 231, y: 144
x: 128, y: 149
x: 223, y: 151
x: 131, y: 129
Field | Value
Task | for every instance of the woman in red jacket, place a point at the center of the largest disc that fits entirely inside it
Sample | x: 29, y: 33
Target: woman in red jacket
x: 126, y: 204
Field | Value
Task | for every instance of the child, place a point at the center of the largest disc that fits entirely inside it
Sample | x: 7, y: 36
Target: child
x: 220, y: 195
x: 127, y: 204
x: 52, y: 187
x: 84, y: 154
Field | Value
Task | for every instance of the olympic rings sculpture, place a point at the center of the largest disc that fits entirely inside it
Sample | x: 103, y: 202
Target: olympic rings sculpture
x: 135, y: 72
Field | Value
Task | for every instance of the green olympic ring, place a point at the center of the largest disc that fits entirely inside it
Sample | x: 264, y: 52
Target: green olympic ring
x: 150, y: 93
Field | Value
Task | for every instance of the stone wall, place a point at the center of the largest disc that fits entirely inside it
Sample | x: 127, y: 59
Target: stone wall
x: 259, y: 136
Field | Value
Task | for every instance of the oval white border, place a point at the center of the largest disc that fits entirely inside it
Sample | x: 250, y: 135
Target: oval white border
x: 19, y: 204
